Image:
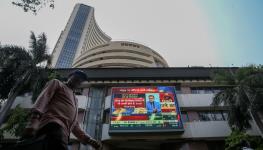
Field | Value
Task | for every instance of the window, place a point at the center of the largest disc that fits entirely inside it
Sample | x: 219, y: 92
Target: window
x: 92, y: 122
x: 218, y: 116
x: 205, y: 116
x: 205, y: 90
x: 212, y: 116
x: 78, y: 91
x: 71, y: 43
x: 108, y: 91
x: 225, y: 115
x: 184, y: 116
x: 106, y: 116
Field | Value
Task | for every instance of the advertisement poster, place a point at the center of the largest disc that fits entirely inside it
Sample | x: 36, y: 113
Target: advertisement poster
x: 144, y: 109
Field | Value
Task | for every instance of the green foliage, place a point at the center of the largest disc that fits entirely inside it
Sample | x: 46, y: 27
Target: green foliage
x: 38, y: 48
x: 17, y: 61
x: 236, y: 140
x: 16, y: 64
x: 18, y: 116
x: 243, y: 94
x: 13, y: 60
x: 34, y: 5
x: 31, y: 73
x: 16, y: 122
x: 53, y: 75
x: 239, y: 139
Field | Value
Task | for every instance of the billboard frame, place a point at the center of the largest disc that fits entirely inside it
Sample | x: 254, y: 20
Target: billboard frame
x: 145, y: 131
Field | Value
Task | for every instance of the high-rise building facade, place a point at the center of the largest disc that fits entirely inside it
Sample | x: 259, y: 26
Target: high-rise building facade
x: 83, y: 44
x: 81, y: 33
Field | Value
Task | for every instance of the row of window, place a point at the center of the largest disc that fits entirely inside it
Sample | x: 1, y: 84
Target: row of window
x: 110, y: 51
x: 205, y: 90
x: 206, y: 116
x: 212, y: 116
x: 71, y: 43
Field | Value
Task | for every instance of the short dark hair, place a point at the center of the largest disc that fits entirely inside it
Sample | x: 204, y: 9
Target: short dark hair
x: 79, y: 73
x: 151, y: 96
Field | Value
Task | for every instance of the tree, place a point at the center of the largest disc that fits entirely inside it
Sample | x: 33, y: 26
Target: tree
x: 16, y: 123
x: 29, y: 72
x: 18, y: 117
x: 243, y: 95
x: 34, y: 5
x: 239, y: 139
x: 12, y: 60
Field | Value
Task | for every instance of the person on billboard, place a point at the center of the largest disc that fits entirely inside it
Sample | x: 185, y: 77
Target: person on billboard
x: 152, y: 105
x: 55, y: 114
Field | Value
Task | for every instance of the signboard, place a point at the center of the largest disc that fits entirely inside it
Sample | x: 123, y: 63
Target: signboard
x: 144, y: 109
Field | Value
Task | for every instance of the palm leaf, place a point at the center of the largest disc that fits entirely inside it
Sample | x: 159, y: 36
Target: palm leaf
x: 243, y: 94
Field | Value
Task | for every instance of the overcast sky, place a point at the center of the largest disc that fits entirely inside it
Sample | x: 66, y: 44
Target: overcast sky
x: 184, y: 32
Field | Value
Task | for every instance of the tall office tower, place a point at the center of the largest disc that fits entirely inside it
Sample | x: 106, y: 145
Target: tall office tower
x: 80, y: 34
x: 83, y: 45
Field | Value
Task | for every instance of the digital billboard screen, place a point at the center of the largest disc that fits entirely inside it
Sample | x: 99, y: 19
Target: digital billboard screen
x: 144, y: 109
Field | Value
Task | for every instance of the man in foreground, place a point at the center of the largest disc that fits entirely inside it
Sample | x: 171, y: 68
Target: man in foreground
x: 55, y: 114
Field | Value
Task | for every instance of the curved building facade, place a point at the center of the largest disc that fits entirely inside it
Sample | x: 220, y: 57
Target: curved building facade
x: 119, y: 54
x: 83, y: 44
x: 80, y: 34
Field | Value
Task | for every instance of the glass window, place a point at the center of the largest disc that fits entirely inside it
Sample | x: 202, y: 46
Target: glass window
x: 108, y: 91
x: 205, y: 90
x: 72, y: 41
x: 194, y: 91
x: 212, y: 116
x: 217, y: 116
x: 225, y: 115
x: 184, y: 116
x: 106, y: 116
x: 205, y: 116
x: 93, y: 118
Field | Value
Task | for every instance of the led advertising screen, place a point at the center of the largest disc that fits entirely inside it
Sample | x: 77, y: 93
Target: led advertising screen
x: 144, y: 109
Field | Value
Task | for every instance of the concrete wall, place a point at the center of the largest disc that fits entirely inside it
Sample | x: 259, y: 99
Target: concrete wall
x: 107, y: 102
x: 195, y: 100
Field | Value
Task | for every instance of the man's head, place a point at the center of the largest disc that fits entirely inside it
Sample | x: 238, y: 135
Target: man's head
x: 75, y: 78
x: 151, y: 98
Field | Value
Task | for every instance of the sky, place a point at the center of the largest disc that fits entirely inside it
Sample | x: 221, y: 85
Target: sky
x: 217, y: 33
